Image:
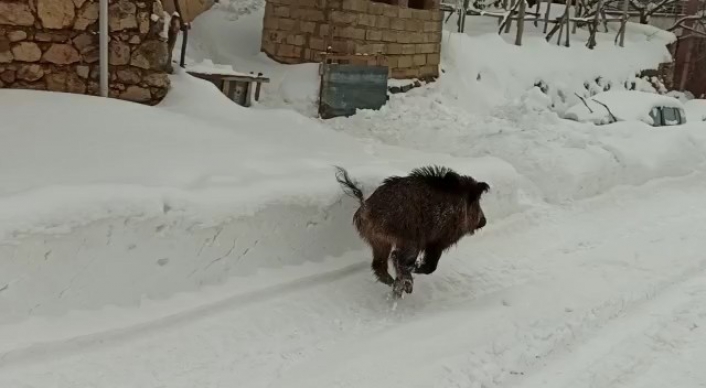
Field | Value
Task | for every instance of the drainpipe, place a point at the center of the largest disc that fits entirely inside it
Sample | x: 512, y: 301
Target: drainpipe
x: 103, y: 48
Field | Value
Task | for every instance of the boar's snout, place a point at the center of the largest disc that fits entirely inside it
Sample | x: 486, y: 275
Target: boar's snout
x: 482, y: 221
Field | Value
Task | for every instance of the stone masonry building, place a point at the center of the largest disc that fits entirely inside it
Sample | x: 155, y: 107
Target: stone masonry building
x: 405, y: 35
x: 53, y: 45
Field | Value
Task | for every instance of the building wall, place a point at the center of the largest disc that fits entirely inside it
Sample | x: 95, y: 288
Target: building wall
x: 408, y: 40
x: 688, y: 70
x: 53, y: 45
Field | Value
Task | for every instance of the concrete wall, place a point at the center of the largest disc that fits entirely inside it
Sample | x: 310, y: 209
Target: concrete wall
x: 53, y: 45
x: 409, y: 40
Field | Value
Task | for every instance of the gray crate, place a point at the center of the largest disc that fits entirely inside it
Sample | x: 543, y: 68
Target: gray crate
x: 346, y: 88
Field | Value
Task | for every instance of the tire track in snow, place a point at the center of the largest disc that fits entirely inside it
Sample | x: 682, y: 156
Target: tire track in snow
x: 41, y: 351
x: 627, y: 346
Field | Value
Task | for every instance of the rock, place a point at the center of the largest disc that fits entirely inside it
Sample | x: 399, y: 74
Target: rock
x: 87, y: 16
x: 5, y: 53
x: 79, y: 3
x: 84, y: 40
x: 62, y: 54
x: 6, y: 56
x: 157, y: 8
x: 60, y: 37
x: 50, y: 37
x: 130, y: 76
x: 135, y: 40
x: 27, y: 52
x: 83, y: 71
x: 2, y: 85
x: 122, y: 16
x: 90, y: 54
x: 56, y: 14
x: 150, y: 55
x: 158, y: 80
x: 144, y: 19
x: 31, y: 86
x: 93, y: 88
x: 16, y: 36
x: 30, y: 73
x: 8, y: 76
x: 119, y: 53
x: 16, y: 14
x: 136, y: 94
x: 65, y: 82
x: 159, y: 93
x: 42, y: 37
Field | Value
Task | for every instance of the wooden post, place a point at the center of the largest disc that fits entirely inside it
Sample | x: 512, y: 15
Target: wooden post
x: 692, y: 7
x: 578, y: 7
x: 594, y: 30
x: 509, y: 17
x: 520, y: 23
x: 568, y: 23
x: 624, y: 22
x: 464, y: 14
x: 546, y: 15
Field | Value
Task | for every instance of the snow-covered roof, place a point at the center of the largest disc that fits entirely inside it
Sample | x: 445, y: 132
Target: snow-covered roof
x: 625, y: 105
x: 208, y: 67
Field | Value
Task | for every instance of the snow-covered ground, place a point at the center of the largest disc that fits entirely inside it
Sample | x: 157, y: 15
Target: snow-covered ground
x: 602, y: 293
x: 199, y: 243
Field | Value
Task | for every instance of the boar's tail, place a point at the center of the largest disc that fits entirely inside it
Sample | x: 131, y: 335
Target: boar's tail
x: 350, y: 187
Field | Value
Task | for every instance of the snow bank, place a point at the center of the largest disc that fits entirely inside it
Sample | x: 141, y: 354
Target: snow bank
x: 485, y: 71
x: 564, y: 160
x: 110, y: 202
x: 623, y: 104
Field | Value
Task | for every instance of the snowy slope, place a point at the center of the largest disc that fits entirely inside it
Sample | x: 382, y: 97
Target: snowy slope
x: 606, y: 292
x: 192, y: 193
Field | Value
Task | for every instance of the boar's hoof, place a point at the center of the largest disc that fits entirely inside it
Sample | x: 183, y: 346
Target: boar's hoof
x: 402, y: 285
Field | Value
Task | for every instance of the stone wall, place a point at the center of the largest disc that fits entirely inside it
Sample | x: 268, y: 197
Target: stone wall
x: 298, y: 31
x: 53, y: 45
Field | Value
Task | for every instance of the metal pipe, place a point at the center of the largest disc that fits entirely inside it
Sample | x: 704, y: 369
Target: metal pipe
x: 103, y: 46
x: 184, y: 33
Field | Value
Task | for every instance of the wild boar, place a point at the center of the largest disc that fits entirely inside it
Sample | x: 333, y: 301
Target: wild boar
x: 428, y: 211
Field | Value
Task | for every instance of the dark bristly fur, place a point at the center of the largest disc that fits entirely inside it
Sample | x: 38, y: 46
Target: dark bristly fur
x: 428, y: 211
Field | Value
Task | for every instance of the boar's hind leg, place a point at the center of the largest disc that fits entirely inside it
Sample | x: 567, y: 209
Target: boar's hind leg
x: 404, y: 259
x: 381, y: 253
x: 432, y: 254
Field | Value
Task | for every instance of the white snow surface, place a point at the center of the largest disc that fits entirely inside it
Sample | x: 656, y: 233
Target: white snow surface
x: 625, y: 105
x: 696, y: 109
x: 208, y: 67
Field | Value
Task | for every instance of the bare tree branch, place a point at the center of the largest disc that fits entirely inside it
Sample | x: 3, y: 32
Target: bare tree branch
x: 659, y: 6
x: 584, y: 102
x: 612, y: 116
x: 680, y: 23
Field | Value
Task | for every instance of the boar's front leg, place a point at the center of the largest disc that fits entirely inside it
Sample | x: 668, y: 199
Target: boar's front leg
x: 432, y: 254
x: 404, y: 259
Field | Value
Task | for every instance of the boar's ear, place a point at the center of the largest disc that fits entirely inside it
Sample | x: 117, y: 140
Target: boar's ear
x: 477, y: 190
